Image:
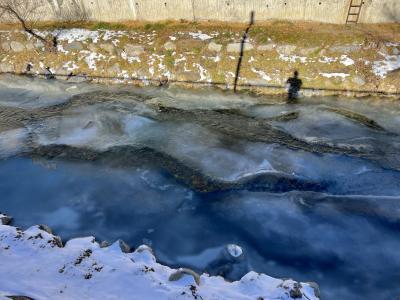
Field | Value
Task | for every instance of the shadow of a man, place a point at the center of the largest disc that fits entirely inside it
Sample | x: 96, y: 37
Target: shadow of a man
x: 293, y: 85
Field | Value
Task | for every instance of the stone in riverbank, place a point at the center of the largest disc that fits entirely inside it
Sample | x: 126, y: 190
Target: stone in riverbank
x: 236, y: 47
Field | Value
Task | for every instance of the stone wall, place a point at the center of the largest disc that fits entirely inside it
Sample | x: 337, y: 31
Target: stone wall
x: 329, y: 11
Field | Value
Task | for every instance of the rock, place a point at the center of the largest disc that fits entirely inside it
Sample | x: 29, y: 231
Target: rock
x: 178, y: 274
x: 6, y: 46
x: 345, y: 48
x: 295, y: 292
x: 308, y: 51
x: 92, y: 48
x: 143, y: 248
x: 395, y: 51
x: 6, y: 67
x: 124, y: 247
x: 133, y: 50
x: 29, y: 46
x: 45, y: 228
x: 234, y: 250
x: 286, y: 49
x: 236, y: 47
x: 315, y: 287
x: 109, y: 48
x: 104, y: 244
x: 266, y: 47
x: 57, y: 241
x: 74, y: 46
x: 4, y: 219
x: 114, y: 69
x: 169, y: 46
x: 214, y: 47
x: 78, y: 78
x: 19, y: 298
x: 17, y: 46
x: 358, y: 80
x: 39, y: 45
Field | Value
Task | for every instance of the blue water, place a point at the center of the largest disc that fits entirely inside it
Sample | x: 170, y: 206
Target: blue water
x: 313, y: 198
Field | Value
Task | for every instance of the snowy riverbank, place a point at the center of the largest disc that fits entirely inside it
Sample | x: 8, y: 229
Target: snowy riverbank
x: 36, y: 264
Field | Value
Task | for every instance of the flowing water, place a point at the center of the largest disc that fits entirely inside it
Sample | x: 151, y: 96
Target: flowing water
x: 309, y: 190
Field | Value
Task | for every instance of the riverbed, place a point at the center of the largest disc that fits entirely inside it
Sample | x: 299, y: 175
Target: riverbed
x: 309, y: 190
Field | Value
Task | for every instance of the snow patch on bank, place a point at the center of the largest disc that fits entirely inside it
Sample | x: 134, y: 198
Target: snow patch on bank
x: 382, y: 67
x: 82, y: 268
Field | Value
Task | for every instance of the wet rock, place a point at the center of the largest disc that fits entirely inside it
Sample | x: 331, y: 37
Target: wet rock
x: 109, y: 48
x: 79, y: 78
x: 124, y: 247
x: 6, y: 67
x: 178, y: 274
x: 236, y: 47
x: 4, y: 219
x: 17, y: 46
x: 286, y: 49
x: 214, y: 47
x: 170, y: 46
x: 315, y: 287
x: 143, y: 248
x: 358, y: 80
x: 234, y: 250
x: 133, y: 50
x: 345, y: 48
x: 45, y: 228
x: 19, y: 298
x: 295, y: 292
x: 74, y: 46
x: 104, y: 244
x: 6, y: 46
x: 266, y: 47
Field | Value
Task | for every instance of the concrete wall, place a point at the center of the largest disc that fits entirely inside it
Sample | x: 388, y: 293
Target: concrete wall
x: 330, y: 11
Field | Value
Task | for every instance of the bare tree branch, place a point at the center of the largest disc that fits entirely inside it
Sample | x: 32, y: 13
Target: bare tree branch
x: 26, y: 13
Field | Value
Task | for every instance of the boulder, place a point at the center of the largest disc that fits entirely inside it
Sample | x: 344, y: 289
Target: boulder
x: 29, y: 46
x: 124, y: 247
x: 109, y: 48
x: 114, y: 69
x: 178, y: 274
x: 74, y: 46
x: 4, y: 219
x: 17, y: 46
x: 93, y: 48
x: 170, y: 46
x: 358, y: 80
x: 286, y: 49
x: 308, y: 51
x: 345, y: 48
x: 133, y: 50
x: 266, y: 47
x: 236, y: 47
x: 46, y: 228
x: 6, y: 67
x: 395, y: 51
x: 6, y: 46
x: 214, y: 47
x: 39, y: 44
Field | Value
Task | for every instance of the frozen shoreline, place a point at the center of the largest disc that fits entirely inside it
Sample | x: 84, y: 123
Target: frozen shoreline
x: 34, y: 263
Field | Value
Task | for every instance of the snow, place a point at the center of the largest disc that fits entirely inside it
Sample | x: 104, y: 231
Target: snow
x: 200, y: 36
x: 70, y: 66
x: 262, y: 74
x: 382, y: 67
x: 330, y: 75
x: 82, y: 269
x: 75, y: 34
x: 293, y: 58
x: 347, y: 61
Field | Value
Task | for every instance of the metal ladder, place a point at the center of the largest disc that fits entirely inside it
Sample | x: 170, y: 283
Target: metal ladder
x: 354, y: 11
